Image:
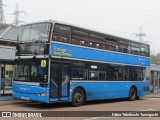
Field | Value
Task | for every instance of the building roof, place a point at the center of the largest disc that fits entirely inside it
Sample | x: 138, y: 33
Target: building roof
x: 155, y: 67
x: 9, y: 34
x: 2, y: 30
x: 7, y: 53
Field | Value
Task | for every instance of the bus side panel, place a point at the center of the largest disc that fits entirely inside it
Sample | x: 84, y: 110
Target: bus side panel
x: 89, y: 54
x: 109, y: 90
x: 117, y: 90
x: 94, y: 90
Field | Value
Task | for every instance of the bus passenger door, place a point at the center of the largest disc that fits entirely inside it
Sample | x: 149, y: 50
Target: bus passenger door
x: 54, y: 86
x: 59, y: 80
x: 65, y: 79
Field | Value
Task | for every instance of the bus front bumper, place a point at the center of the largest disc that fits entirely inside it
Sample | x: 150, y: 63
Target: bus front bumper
x: 30, y: 97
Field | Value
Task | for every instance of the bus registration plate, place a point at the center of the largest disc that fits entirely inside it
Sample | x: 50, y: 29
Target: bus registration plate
x: 24, y: 98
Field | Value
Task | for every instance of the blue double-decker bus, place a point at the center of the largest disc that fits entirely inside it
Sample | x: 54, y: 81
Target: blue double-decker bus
x: 56, y: 62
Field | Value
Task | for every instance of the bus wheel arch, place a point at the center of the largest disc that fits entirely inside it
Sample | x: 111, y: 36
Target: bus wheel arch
x: 78, y: 93
x: 133, y: 93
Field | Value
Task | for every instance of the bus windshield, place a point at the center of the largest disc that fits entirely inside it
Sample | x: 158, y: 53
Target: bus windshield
x: 33, y: 38
x: 30, y: 72
x: 34, y: 33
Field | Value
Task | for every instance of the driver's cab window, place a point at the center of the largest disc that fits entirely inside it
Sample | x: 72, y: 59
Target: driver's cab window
x: 34, y: 70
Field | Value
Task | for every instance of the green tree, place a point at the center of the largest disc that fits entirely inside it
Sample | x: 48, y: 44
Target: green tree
x: 155, y: 59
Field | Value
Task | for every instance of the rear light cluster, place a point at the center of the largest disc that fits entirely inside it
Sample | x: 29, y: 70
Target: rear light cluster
x: 145, y: 88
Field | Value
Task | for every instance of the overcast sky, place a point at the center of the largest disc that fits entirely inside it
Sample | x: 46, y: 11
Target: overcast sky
x: 117, y: 17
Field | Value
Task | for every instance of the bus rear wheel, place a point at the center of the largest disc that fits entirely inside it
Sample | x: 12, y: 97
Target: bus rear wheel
x: 78, y: 97
x: 132, y: 94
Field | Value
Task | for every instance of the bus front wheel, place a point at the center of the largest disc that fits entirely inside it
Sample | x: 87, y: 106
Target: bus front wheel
x: 78, y: 97
x: 132, y: 94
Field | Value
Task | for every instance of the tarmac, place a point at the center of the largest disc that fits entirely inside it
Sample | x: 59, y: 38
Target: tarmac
x: 8, y: 98
x: 5, y: 98
x: 154, y: 95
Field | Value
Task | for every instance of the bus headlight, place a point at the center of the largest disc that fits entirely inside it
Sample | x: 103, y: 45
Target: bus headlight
x: 43, y: 94
x: 40, y: 94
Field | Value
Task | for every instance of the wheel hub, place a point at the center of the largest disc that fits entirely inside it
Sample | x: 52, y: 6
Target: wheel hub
x: 78, y: 97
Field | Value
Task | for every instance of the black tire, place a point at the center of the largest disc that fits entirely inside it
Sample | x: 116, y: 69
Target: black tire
x: 132, y: 94
x: 138, y: 98
x: 78, y: 97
